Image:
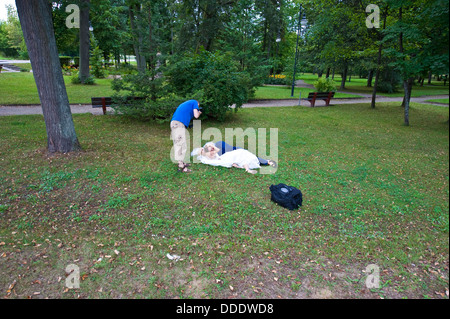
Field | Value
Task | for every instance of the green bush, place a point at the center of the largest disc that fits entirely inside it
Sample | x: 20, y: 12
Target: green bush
x: 140, y: 84
x: 160, y: 110
x: 277, y: 79
x: 389, y: 81
x: 216, y: 76
x: 75, y: 79
x: 325, y: 85
x: 155, y: 102
x: 65, y: 60
x: 96, y: 61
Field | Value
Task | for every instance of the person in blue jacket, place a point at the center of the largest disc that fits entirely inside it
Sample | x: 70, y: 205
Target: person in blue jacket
x: 180, y: 121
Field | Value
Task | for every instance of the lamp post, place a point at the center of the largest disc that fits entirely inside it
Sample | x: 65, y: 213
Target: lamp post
x: 300, y: 27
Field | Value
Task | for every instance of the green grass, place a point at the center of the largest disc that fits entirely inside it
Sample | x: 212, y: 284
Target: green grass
x: 20, y: 89
x: 443, y: 101
x: 284, y: 92
x: 375, y: 192
x: 357, y: 85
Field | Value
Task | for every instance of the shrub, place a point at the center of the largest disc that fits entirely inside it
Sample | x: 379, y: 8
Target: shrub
x: 65, y: 60
x: 75, y: 79
x: 325, y: 85
x: 141, y: 85
x: 216, y: 76
x: 277, y: 79
x: 96, y: 61
x: 160, y: 110
x: 389, y: 81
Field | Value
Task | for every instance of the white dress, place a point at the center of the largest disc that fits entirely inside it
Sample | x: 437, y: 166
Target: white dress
x: 240, y: 157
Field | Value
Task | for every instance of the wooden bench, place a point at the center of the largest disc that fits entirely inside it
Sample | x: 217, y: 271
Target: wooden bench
x: 105, y: 102
x: 325, y: 96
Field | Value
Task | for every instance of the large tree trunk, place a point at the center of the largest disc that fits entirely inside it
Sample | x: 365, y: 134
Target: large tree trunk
x: 407, y: 86
x: 377, y: 74
x: 84, y: 40
x: 36, y: 21
x: 370, y: 78
x: 344, y: 76
x: 138, y: 38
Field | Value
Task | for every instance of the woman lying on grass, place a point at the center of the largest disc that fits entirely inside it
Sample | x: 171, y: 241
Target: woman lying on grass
x: 238, y: 158
x: 221, y: 147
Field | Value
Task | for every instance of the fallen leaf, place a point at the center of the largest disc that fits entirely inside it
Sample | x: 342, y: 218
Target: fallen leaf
x: 10, y: 288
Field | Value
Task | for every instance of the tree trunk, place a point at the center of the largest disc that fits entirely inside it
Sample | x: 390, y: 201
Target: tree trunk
x: 407, y: 86
x: 374, y: 92
x: 328, y: 73
x: 429, y: 77
x: 138, y: 39
x: 36, y: 21
x: 377, y: 75
x: 84, y: 40
x: 344, y: 76
x: 370, y: 78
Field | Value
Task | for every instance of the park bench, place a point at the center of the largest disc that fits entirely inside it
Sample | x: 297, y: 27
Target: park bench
x: 105, y: 102
x: 325, y: 96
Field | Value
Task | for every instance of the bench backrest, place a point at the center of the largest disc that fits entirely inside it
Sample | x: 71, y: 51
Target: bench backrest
x: 320, y: 95
x: 98, y: 101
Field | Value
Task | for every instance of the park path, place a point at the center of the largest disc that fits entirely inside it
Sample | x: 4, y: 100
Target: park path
x: 85, y: 108
x: 10, y: 65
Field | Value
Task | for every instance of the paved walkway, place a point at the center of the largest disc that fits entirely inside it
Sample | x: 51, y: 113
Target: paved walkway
x: 9, y: 65
x: 79, y: 108
x: 363, y: 99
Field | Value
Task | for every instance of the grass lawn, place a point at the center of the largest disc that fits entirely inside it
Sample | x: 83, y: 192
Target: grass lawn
x: 443, y: 101
x: 20, y: 89
x: 375, y: 192
x: 284, y: 92
x: 357, y: 85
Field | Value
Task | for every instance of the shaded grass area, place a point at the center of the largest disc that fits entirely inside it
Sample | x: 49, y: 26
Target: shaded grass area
x: 375, y: 192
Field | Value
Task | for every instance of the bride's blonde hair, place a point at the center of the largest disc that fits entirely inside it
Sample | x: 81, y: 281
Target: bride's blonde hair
x: 200, y: 151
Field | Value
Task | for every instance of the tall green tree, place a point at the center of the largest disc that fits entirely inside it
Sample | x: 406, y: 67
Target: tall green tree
x: 414, y: 42
x: 14, y: 34
x: 337, y: 34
